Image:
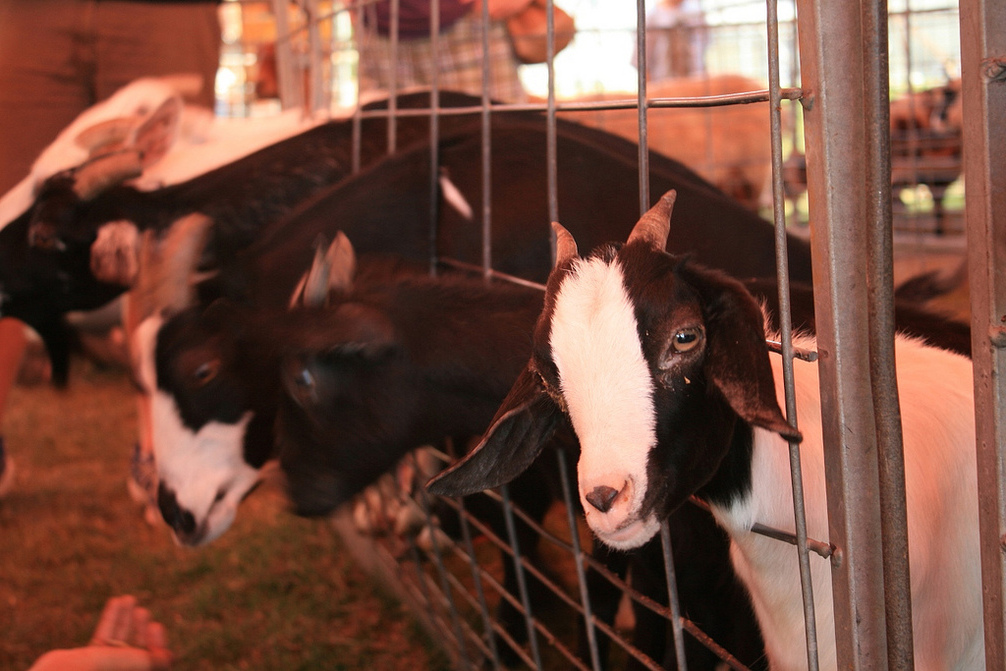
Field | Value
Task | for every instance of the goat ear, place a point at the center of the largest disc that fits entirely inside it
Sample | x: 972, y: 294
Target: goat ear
x: 103, y: 172
x: 166, y: 270
x: 153, y: 138
x: 526, y: 420
x: 737, y: 360
x: 108, y: 133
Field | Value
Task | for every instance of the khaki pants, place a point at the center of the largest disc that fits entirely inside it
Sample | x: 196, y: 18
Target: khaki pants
x: 58, y: 57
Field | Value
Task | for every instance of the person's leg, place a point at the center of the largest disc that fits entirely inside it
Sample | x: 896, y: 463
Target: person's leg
x: 140, y: 39
x: 43, y: 78
x: 12, y: 345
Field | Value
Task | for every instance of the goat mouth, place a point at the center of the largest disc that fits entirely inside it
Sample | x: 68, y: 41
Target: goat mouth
x: 192, y: 539
x: 630, y: 534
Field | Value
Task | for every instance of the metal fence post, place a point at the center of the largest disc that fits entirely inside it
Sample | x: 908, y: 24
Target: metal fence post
x: 832, y: 54
x: 983, y: 73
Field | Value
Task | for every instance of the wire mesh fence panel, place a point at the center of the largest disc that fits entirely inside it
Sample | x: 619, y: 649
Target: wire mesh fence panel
x: 513, y: 576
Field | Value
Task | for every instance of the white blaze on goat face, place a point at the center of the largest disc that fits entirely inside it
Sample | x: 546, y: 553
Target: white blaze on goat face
x: 204, y: 469
x: 608, y: 390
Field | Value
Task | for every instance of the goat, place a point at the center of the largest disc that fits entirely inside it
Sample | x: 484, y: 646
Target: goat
x: 662, y: 368
x: 385, y: 208
x: 70, y: 229
x: 381, y: 368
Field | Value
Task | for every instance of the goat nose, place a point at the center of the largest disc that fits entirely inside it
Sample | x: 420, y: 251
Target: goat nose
x: 178, y: 519
x: 601, y: 497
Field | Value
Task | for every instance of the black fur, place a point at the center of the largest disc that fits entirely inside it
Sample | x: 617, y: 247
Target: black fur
x: 596, y: 194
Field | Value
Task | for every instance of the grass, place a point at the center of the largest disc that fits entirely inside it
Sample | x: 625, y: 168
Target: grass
x: 275, y: 592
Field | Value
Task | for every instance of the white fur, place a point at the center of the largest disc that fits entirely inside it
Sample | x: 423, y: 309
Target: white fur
x: 199, y: 466
x: 208, y: 143
x: 605, y: 384
x: 609, y: 393
x: 941, y: 482
x: 455, y: 198
x: 196, y: 466
x: 203, y: 142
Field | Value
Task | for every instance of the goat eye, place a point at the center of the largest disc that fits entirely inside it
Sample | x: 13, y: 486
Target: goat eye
x: 302, y: 386
x: 206, y: 372
x: 687, y: 339
x: 304, y: 380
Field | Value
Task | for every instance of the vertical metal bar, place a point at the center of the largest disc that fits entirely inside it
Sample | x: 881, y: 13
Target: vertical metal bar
x: 316, y: 100
x: 532, y: 633
x: 487, y: 231
x: 983, y: 73
x: 832, y: 65
x: 644, y: 155
x: 551, y: 154
x: 286, y: 69
x: 786, y: 333
x: 880, y: 260
x: 581, y: 573
x: 466, y: 536
x: 445, y: 586
x: 434, y: 134
x: 393, y: 79
x: 672, y: 596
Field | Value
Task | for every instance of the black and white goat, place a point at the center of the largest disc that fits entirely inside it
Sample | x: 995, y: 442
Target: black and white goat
x: 69, y: 231
x: 385, y: 209
x: 388, y: 365
x: 662, y: 368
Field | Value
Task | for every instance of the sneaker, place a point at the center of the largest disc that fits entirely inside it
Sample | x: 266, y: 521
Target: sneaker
x: 142, y: 484
x: 6, y: 470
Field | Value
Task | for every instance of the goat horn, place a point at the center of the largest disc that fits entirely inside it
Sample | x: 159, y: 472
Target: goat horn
x: 103, y: 171
x: 314, y: 286
x: 565, y: 245
x: 655, y: 226
x: 342, y: 263
x: 333, y: 269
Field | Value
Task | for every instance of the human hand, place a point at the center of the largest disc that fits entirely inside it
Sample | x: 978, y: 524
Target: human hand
x: 126, y: 639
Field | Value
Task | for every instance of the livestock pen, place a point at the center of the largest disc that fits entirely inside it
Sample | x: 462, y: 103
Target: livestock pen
x: 818, y: 77
x: 836, y: 67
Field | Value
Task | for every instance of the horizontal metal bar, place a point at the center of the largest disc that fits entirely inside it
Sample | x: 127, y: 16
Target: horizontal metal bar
x: 721, y: 100
x: 826, y: 550
x: 803, y: 354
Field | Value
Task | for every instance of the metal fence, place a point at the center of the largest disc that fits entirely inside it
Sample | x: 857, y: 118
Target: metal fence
x: 842, y: 90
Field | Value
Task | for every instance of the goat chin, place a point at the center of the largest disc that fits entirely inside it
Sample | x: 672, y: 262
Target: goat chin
x: 627, y: 536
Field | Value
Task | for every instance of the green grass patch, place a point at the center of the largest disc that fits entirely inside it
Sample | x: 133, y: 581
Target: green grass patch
x: 274, y: 592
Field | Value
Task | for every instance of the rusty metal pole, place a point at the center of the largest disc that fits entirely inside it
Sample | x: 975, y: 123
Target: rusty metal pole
x: 983, y: 74
x: 831, y: 56
x: 890, y: 443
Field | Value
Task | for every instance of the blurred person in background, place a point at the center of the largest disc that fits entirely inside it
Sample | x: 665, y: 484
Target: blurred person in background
x: 676, y: 40
x: 458, y: 63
